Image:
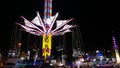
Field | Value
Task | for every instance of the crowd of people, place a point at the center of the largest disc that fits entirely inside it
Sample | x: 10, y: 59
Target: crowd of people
x: 79, y: 61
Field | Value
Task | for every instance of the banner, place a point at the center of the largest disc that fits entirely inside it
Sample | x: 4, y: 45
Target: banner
x: 46, y: 45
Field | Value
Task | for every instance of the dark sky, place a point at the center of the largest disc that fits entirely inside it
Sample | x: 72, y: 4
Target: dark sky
x: 91, y: 17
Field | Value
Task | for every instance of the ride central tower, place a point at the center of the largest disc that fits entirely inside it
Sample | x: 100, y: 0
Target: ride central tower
x: 47, y: 9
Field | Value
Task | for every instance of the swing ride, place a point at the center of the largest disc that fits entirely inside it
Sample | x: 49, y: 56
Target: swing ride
x: 45, y: 38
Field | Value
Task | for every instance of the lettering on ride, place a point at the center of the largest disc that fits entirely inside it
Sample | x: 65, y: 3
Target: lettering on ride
x: 47, y: 49
x: 46, y: 40
x: 46, y: 45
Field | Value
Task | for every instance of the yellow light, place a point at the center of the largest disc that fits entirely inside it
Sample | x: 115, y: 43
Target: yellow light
x: 117, y: 56
x: 46, y: 45
x: 19, y: 44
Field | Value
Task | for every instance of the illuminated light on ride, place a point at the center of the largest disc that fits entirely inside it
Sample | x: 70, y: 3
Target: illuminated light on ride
x: 116, y: 50
x: 22, y: 58
x: 19, y: 44
x: 97, y: 51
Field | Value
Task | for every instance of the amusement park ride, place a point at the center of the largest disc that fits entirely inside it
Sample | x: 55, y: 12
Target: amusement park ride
x: 115, y: 47
x: 46, y: 28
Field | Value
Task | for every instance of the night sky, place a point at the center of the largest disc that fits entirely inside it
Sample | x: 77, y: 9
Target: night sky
x: 90, y: 16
